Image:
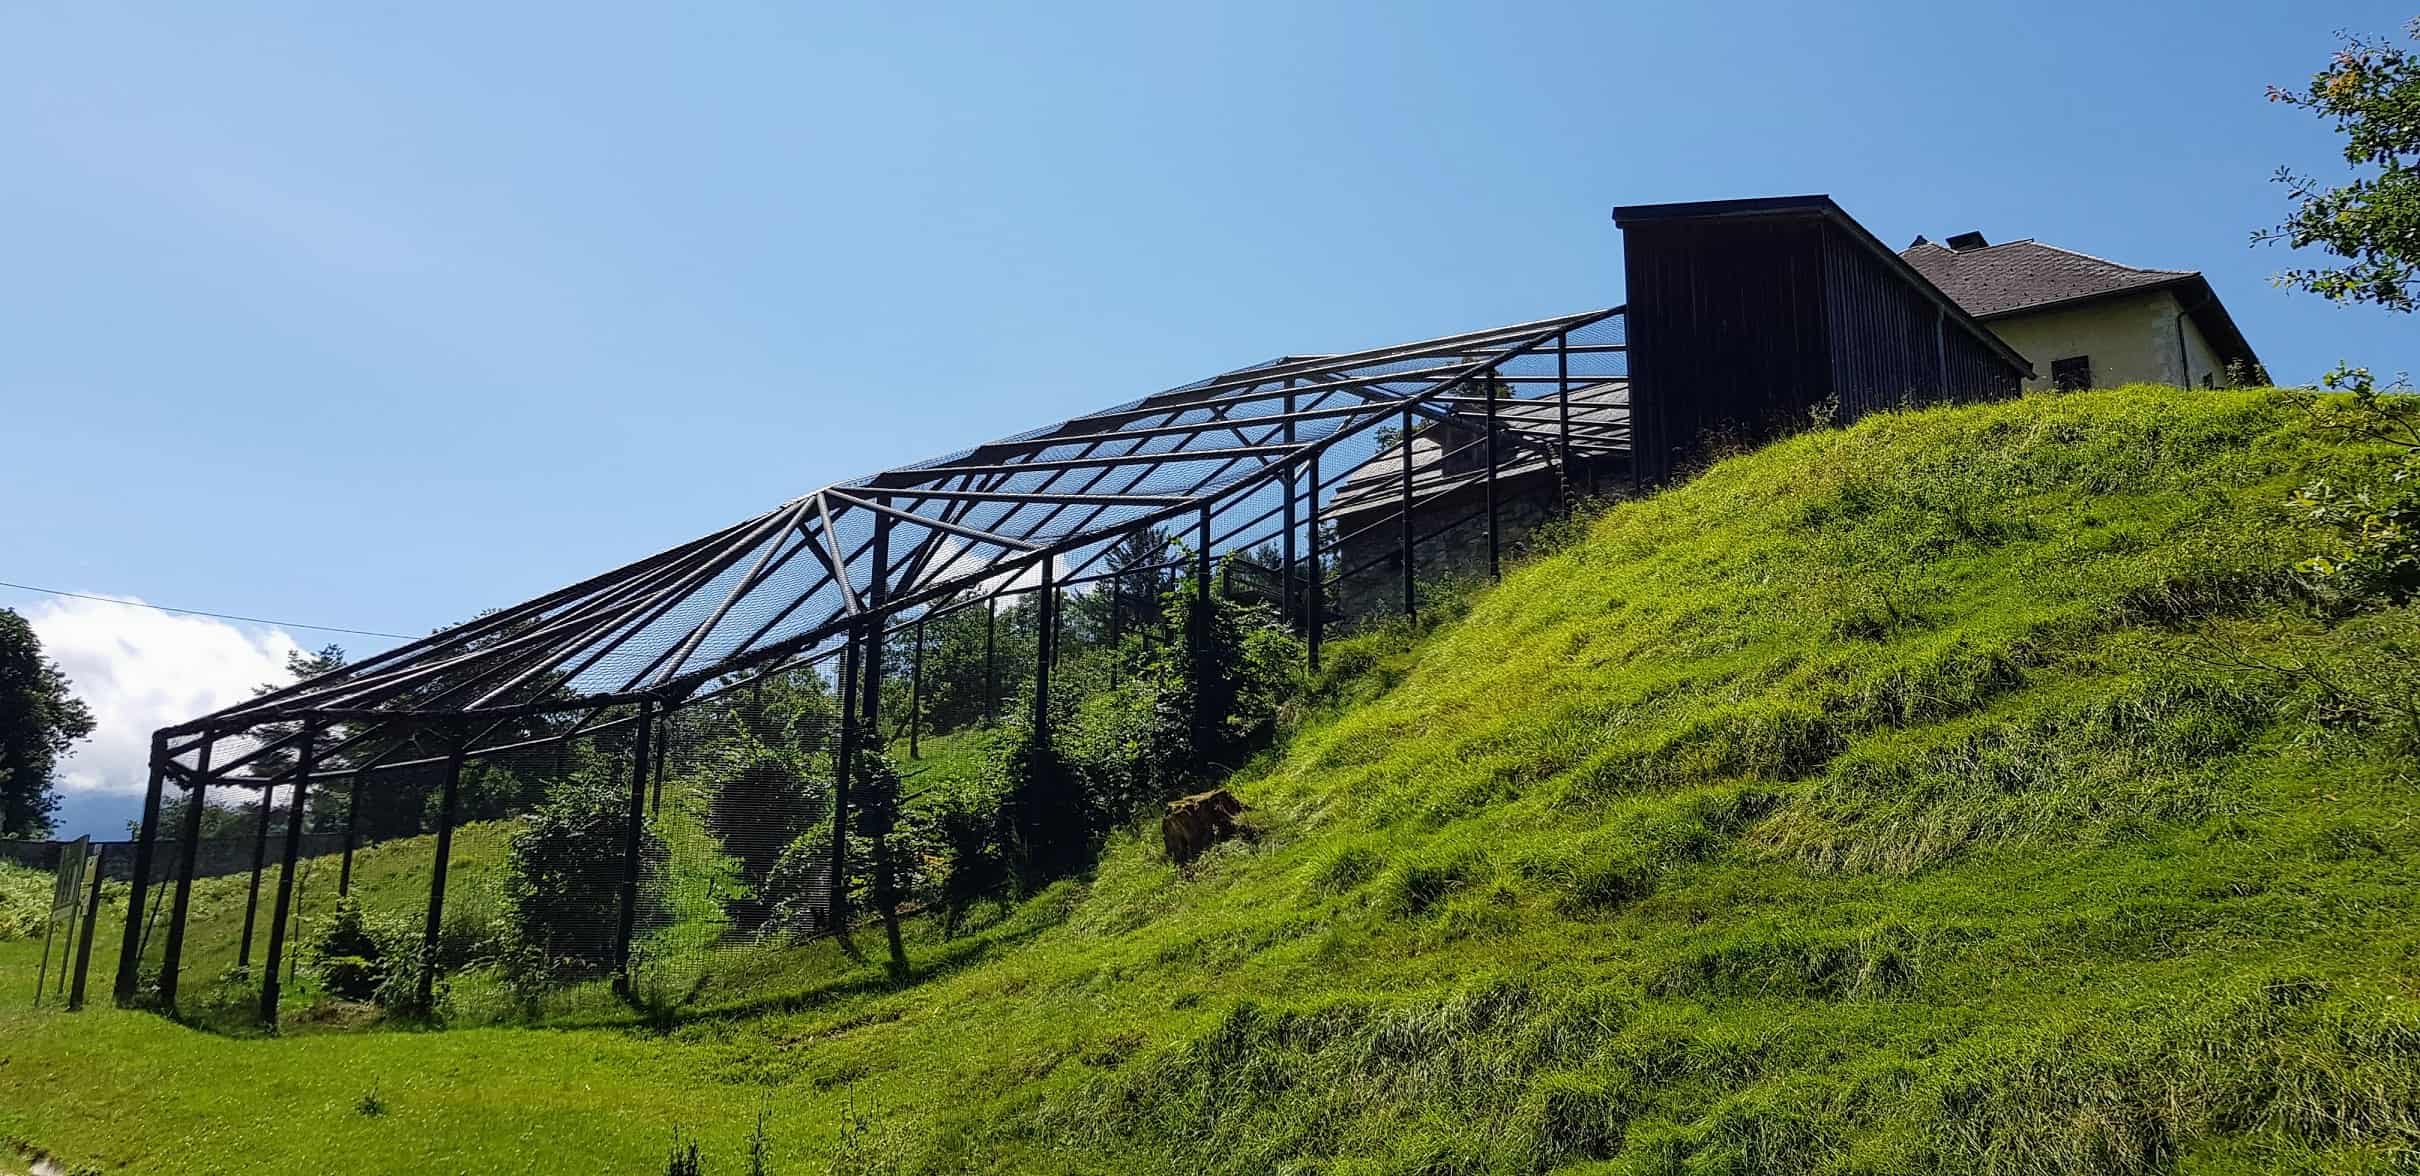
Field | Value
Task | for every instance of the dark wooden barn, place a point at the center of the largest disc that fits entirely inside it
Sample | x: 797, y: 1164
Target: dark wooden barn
x: 1748, y: 317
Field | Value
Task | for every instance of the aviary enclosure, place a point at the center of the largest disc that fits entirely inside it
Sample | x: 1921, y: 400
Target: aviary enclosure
x: 704, y: 699
x: 720, y: 684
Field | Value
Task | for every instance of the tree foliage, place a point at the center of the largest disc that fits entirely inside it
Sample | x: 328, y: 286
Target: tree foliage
x: 563, y: 876
x: 2375, y: 555
x: 2370, y: 89
x: 41, y: 720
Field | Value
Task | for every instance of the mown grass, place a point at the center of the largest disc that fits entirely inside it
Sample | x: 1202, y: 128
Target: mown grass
x: 1891, y: 800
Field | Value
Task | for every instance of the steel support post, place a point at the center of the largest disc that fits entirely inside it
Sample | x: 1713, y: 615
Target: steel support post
x: 449, y: 801
x: 634, y: 843
x: 260, y: 861
x: 916, y: 695
x: 344, y: 868
x: 1563, y: 408
x: 1411, y: 603
x: 656, y: 777
x: 1316, y: 622
x: 189, y: 842
x: 305, y: 763
x: 130, y: 951
x: 836, y: 905
x: 991, y: 660
x: 1288, y: 600
x: 1043, y: 655
x: 1495, y: 530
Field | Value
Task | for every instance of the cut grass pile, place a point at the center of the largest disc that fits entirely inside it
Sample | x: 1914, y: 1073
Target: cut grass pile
x: 1901, y: 799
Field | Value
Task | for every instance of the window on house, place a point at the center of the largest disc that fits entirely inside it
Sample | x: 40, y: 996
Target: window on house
x: 2072, y: 374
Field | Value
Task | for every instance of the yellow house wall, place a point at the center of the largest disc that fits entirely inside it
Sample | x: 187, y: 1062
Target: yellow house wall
x: 2130, y: 340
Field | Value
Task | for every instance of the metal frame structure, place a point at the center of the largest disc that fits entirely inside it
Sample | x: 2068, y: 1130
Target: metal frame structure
x: 1233, y: 460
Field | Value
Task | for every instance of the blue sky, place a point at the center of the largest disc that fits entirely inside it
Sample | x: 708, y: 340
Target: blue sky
x: 375, y: 319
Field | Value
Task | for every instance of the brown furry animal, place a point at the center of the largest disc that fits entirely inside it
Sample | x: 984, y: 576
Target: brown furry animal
x: 1197, y: 822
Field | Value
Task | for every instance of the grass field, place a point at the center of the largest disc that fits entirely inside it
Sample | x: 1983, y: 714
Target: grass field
x: 1956, y: 793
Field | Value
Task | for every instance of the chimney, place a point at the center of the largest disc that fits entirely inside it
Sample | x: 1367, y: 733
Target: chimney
x: 1966, y: 241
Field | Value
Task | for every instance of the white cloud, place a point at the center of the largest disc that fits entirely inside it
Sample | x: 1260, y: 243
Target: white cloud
x: 140, y: 670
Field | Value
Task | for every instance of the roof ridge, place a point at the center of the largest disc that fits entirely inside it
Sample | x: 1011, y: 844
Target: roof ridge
x: 2105, y: 261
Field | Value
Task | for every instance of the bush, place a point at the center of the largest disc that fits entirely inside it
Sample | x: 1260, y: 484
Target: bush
x: 563, y: 876
x: 355, y: 953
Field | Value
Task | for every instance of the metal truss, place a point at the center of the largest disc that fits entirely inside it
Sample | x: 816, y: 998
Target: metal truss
x: 1231, y: 456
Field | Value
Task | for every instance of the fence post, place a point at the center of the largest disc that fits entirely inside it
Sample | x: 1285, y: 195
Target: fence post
x: 1410, y: 593
x: 1495, y: 542
x: 92, y: 914
x: 1318, y: 611
x: 837, y: 901
x: 130, y: 953
x: 189, y: 840
x: 425, y: 996
x: 634, y: 842
x: 306, y: 759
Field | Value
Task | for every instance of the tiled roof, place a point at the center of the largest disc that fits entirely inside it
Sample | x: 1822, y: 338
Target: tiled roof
x: 2001, y: 279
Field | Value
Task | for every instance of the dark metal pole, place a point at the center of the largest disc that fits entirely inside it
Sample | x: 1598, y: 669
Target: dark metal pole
x: 1117, y: 606
x: 1495, y: 529
x: 92, y: 914
x: 916, y: 695
x: 130, y: 951
x: 634, y: 841
x: 1563, y: 406
x: 260, y: 861
x: 344, y: 869
x: 870, y: 668
x: 1317, y: 619
x: 306, y: 760
x: 1410, y: 593
x: 1042, y: 656
x: 991, y: 660
x: 663, y: 748
x: 1288, y: 601
x: 837, y: 903
x: 189, y: 841
x: 425, y: 996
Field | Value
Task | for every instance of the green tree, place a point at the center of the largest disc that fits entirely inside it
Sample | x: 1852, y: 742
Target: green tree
x: 40, y: 721
x: 2371, y: 90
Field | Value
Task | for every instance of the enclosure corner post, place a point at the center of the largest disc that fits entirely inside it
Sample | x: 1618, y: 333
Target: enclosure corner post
x: 634, y: 841
x: 130, y: 951
x: 344, y: 868
x: 425, y: 995
x: 189, y: 847
x: 306, y: 761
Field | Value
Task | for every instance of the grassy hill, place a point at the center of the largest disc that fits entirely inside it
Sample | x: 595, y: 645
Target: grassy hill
x: 1967, y: 791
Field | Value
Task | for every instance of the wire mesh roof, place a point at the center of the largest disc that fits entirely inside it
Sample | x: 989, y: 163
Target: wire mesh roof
x: 1224, y: 455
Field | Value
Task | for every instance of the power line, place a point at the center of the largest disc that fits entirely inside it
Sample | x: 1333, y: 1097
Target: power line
x: 196, y: 612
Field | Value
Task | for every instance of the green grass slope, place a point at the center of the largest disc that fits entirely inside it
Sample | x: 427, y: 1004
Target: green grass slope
x: 1954, y: 793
